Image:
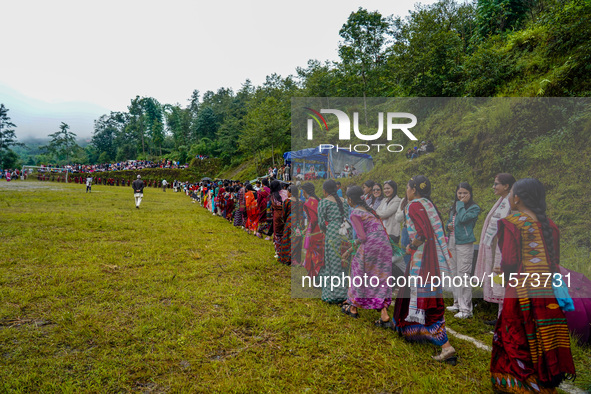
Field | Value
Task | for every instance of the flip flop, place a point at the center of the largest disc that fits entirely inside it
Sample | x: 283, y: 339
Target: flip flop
x: 346, y: 309
x: 384, y: 324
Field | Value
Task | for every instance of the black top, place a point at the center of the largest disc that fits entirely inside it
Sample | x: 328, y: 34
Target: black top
x: 138, y: 186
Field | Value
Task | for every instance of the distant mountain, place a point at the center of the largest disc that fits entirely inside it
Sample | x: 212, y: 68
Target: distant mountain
x: 36, y: 118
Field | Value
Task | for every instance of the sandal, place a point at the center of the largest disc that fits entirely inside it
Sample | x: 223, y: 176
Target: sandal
x: 346, y: 309
x: 384, y: 324
x: 342, y: 303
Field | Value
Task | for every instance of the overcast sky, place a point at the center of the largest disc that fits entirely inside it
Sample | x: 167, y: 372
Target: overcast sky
x: 106, y: 52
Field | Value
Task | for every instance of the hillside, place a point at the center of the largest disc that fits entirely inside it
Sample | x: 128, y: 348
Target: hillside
x: 476, y: 139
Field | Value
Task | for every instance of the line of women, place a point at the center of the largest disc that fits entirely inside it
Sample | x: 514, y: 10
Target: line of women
x: 266, y: 209
x: 531, y: 348
x: 359, y: 235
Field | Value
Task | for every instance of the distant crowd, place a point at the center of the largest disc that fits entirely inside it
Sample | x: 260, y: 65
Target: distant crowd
x: 10, y: 174
x: 119, y: 166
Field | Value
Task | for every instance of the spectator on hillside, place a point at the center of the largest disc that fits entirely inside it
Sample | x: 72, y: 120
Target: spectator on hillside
x: 423, y: 148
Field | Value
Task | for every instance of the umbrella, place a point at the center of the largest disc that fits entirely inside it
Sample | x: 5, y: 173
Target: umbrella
x: 206, y: 179
x: 579, y: 320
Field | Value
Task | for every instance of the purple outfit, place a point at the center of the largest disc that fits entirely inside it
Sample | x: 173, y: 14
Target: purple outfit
x: 374, y: 259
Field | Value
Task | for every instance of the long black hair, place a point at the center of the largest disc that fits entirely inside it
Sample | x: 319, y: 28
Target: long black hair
x: 422, y: 184
x: 275, y: 188
x: 293, y: 189
x: 310, y: 190
x: 355, y: 193
x: 532, y: 193
x: 506, y: 179
x: 369, y: 183
x: 463, y: 185
x: 394, y: 187
x: 330, y: 187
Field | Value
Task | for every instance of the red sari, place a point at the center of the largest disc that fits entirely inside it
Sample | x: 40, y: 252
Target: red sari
x: 252, y: 214
x: 423, y: 223
x: 229, y: 205
x: 314, y: 240
x: 262, y: 200
x: 531, y: 345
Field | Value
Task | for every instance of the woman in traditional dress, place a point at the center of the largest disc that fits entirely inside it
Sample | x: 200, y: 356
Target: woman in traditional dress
x: 331, y: 214
x: 531, y: 344
x: 419, y: 309
x: 373, y: 259
x: 240, y: 212
x: 489, y: 255
x: 262, y: 200
x: 229, y: 203
x: 291, y: 241
x: 462, y: 218
x: 277, y: 209
x: 221, y: 201
x: 213, y: 192
x: 206, y: 203
x: 252, y: 214
x: 313, y: 239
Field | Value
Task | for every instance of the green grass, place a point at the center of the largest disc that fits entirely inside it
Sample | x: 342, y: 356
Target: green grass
x: 97, y: 296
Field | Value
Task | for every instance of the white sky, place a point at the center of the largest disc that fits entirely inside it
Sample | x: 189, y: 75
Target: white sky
x: 107, y: 52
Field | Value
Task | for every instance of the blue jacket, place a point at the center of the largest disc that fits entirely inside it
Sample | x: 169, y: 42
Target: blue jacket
x: 464, y: 224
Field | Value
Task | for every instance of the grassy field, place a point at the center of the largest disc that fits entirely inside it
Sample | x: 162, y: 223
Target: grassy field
x: 97, y: 296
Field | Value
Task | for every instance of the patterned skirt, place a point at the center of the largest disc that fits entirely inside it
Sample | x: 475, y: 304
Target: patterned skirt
x: 433, y: 331
x: 239, y: 218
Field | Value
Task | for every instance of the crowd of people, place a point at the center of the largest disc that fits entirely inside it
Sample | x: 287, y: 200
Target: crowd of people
x: 11, y: 174
x: 283, y: 172
x: 54, y: 172
x: 119, y: 166
x: 369, y: 230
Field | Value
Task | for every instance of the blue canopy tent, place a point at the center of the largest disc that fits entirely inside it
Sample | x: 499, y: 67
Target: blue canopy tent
x: 334, y: 162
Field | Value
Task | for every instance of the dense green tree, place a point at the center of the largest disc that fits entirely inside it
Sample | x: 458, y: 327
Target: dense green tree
x: 229, y: 132
x: 136, y: 124
x: 363, y: 47
x: 9, y: 160
x: 178, y: 123
x: 7, y: 136
x: 106, y: 129
x: 206, y: 124
x: 157, y: 134
x: 317, y: 80
x: 497, y: 16
x: 62, y: 144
